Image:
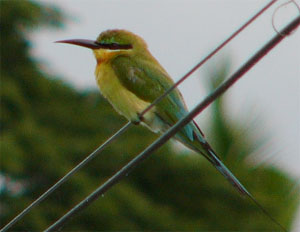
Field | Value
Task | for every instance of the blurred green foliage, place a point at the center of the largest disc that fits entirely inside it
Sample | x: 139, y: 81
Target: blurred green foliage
x: 47, y: 127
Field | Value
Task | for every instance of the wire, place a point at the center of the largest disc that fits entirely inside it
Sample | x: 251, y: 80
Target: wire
x: 97, y: 151
x: 174, y: 129
x: 208, y: 57
x: 67, y: 176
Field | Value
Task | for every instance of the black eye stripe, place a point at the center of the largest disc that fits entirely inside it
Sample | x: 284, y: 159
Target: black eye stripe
x: 115, y: 46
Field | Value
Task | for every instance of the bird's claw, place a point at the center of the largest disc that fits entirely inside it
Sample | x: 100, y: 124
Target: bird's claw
x: 139, y: 119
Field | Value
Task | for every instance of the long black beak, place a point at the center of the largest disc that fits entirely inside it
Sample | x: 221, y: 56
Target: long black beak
x: 95, y: 45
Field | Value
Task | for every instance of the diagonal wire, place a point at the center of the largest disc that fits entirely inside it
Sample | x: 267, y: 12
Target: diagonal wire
x: 98, y: 150
x: 174, y: 129
x: 67, y: 176
x: 208, y: 57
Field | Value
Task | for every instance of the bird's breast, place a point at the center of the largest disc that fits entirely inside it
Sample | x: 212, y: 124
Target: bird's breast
x: 124, y: 101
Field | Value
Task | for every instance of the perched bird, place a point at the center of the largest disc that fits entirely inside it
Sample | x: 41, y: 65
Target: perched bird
x: 130, y: 78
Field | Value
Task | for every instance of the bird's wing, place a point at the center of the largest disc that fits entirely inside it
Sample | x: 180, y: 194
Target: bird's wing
x: 148, y: 81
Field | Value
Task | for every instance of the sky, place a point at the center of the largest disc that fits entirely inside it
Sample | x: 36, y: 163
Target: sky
x: 179, y: 34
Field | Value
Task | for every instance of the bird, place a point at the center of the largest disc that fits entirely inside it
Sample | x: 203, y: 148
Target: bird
x: 130, y: 78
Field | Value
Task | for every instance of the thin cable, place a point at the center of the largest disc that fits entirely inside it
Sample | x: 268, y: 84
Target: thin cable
x: 67, y: 176
x: 208, y: 57
x: 174, y: 129
x: 63, y: 179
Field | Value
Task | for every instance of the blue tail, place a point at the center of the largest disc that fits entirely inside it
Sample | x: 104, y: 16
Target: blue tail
x: 204, y: 148
x: 226, y: 173
x: 200, y: 145
x: 197, y: 143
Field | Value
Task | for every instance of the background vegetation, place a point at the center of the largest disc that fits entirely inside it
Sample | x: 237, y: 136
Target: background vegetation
x: 47, y: 127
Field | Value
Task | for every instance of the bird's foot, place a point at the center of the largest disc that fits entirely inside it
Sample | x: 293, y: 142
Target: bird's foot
x: 138, y: 120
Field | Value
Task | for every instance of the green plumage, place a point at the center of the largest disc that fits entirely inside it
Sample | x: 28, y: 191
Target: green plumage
x: 132, y: 78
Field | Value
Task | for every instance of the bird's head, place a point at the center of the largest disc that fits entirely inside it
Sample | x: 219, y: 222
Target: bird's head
x: 112, y: 43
